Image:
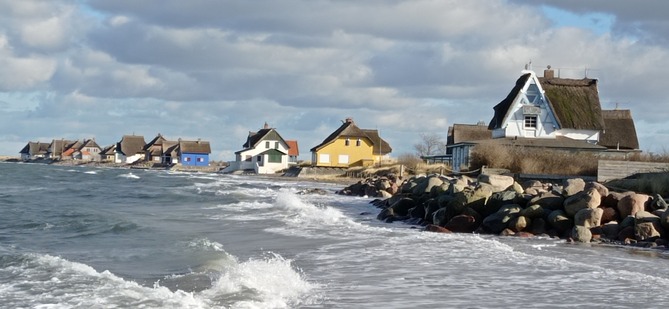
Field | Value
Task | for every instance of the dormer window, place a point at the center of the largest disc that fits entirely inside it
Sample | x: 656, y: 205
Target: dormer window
x: 530, y: 121
x: 347, y: 142
x: 357, y: 143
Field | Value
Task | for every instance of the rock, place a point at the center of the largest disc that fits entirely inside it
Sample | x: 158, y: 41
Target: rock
x: 436, y: 229
x: 516, y: 187
x: 533, y: 184
x: 632, y: 203
x: 384, y: 194
x: 498, y: 221
x: 385, y: 214
x: 461, y: 224
x: 417, y: 212
x: 611, y: 230
x: 519, y: 224
x: 498, y: 182
x: 496, y: 201
x: 647, y: 226
x: 538, y: 226
x: 609, y: 214
x: 572, y: 186
x: 524, y: 234
x: 588, y: 217
x: 664, y: 220
x: 532, y: 212
x: 507, y: 232
x: 581, y: 200
x: 426, y: 184
x: 626, y: 222
x: 581, y: 234
x: 658, y: 203
x: 613, y: 198
x: 548, y: 200
x: 626, y: 233
x: 603, y: 191
x: 430, y: 207
x: 559, y: 220
x: 401, y: 207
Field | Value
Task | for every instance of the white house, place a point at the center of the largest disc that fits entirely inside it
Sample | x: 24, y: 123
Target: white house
x: 130, y: 149
x: 265, y: 152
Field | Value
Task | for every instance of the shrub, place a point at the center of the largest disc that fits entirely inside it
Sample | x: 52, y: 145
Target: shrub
x: 534, y: 161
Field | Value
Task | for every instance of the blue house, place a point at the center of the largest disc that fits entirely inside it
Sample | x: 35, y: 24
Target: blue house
x: 194, y: 153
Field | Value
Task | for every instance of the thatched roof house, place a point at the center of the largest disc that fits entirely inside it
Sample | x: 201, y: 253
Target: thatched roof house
x: 619, y: 130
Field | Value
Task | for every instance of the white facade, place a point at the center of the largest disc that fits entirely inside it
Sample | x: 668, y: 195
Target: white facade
x: 530, y: 116
x: 121, y: 158
x: 264, y: 158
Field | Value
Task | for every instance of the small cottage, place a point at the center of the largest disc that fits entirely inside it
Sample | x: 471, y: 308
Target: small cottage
x: 350, y: 146
x: 264, y: 152
x: 34, y: 150
x: 129, y: 149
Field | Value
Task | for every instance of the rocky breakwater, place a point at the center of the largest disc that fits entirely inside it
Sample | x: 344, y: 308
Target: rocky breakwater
x: 496, y: 204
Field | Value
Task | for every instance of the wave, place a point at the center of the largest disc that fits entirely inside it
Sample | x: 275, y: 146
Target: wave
x: 129, y: 176
x: 37, y: 280
x: 91, y: 172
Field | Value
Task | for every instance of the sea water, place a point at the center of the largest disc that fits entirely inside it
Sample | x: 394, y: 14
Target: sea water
x: 85, y: 237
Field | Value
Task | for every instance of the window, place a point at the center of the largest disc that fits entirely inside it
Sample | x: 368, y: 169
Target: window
x: 357, y: 143
x: 274, y: 158
x: 267, y: 145
x: 530, y: 122
x: 187, y: 159
x: 276, y: 145
x: 347, y: 142
x: 324, y: 158
x: 343, y: 159
x: 200, y: 159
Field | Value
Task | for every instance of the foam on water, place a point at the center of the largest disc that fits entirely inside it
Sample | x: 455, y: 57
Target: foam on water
x: 91, y: 172
x: 129, y: 176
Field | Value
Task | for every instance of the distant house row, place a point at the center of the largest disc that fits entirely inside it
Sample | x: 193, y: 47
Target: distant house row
x: 264, y: 152
x: 130, y: 149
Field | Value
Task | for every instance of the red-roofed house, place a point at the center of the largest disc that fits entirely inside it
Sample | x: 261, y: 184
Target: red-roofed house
x: 293, y: 152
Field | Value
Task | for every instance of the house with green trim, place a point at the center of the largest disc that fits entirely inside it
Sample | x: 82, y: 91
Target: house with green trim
x: 264, y: 152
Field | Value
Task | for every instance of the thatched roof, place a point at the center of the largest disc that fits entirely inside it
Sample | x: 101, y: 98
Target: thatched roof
x: 574, y: 101
x: 620, y: 132
x: 194, y: 147
x: 89, y: 143
x: 35, y: 148
x: 131, y: 145
x: 467, y: 132
x: 108, y: 150
x: 57, y: 146
x: 348, y: 129
x: 158, y: 140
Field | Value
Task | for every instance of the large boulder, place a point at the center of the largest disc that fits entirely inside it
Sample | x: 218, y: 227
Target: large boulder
x: 426, y: 184
x: 603, y: 190
x: 559, y: 220
x: 613, y: 198
x: 581, y: 200
x: 533, y: 211
x: 496, y: 201
x: 658, y: 203
x: 572, y: 186
x: 588, y: 217
x: 630, y: 204
x: 664, y: 220
x: 647, y: 226
x: 581, y: 234
x: 498, y: 182
x: 436, y: 229
x: 401, y: 207
x: 498, y: 221
x: 609, y: 214
x: 548, y: 200
x: 519, y: 223
x: 611, y: 230
x: 461, y: 224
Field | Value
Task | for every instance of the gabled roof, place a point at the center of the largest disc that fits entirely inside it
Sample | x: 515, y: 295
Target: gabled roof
x: 194, y: 147
x: 89, y: 143
x: 57, y: 146
x: 620, y: 132
x: 131, y: 145
x: 575, y: 102
x: 68, y: 152
x: 255, y: 138
x: 272, y: 152
x: 293, y: 148
x: 170, y: 148
x: 348, y: 129
x: 381, y: 147
x: 159, y: 139
x: 467, y: 132
x: 35, y: 148
x: 108, y: 151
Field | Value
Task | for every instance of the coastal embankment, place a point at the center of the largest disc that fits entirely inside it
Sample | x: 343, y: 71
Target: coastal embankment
x: 576, y: 210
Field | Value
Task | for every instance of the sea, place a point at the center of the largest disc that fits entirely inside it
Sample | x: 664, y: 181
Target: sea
x: 90, y: 237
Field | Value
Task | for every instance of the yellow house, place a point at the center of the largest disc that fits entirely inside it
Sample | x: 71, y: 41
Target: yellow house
x: 350, y: 146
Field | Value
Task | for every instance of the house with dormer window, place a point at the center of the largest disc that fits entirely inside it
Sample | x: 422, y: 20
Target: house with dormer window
x: 264, y: 152
x: 350, y: 146
x: 556, y: 114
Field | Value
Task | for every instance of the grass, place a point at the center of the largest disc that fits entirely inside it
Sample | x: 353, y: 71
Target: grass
x: 534, y: 161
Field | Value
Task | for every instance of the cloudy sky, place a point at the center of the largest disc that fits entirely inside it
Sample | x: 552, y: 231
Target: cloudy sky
x: 216, y: 69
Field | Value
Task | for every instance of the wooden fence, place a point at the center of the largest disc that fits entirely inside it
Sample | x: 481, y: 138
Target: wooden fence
x: 608, y: 170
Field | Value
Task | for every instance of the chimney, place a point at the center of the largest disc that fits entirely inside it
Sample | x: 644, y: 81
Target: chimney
x: 266, y: 126
x: 349, y: 120
x: 548, y: 73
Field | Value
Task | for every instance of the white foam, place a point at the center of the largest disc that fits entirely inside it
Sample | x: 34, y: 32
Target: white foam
x: 91, y: 172
x: 129, y: 176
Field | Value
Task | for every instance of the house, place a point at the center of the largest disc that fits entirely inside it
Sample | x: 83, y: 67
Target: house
x: 57, y: 147
x: 108, y: 153
x: 154, y: 149
x: 264, y: 152
x: 194, y: 153
x: 34, y: 150
x: 88, y: 150
x: 552, y: 113
x: 293, y: 152
x: 350, y: 146
x: 130, y: 149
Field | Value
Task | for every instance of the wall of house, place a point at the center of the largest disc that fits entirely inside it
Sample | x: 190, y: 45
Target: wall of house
x: 583, y: 135
x: 338, y: 154
x: 461, y: 157
x: 266, y: 167
x: 195, y: 159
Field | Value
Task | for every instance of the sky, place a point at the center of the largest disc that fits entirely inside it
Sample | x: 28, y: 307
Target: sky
x: 217, y: 69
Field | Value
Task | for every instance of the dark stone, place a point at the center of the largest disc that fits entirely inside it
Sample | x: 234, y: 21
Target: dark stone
x: 626, y: 233
x: 610, y: 214
x: 548, y: 200
x: 401, y: 207
x: 417, y: 212
x: 461, y: 224
x: 436, y: 229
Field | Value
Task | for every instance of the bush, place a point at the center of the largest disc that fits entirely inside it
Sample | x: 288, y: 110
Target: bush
x: 534, y: 161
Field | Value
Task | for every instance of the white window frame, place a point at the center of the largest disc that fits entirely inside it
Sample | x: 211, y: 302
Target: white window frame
x: 343, y: 159
x: 324, y: 158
